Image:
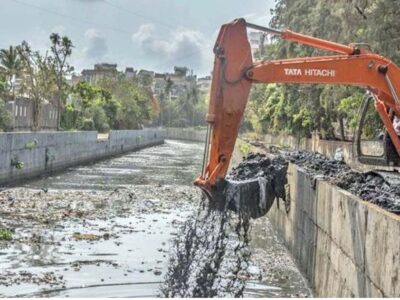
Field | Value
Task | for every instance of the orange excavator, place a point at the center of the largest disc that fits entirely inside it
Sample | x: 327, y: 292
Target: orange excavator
x: 235, y: 71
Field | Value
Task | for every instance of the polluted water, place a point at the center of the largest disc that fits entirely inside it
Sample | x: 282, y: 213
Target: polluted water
x: 108, y: 229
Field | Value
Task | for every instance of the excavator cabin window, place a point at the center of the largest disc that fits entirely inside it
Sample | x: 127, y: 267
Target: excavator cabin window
x: 372, y: 143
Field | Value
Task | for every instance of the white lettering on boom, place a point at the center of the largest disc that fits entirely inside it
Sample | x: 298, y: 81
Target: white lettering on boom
x: 310, y: 72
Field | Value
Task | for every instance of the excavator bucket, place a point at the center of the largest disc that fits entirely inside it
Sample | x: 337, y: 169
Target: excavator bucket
x: 252, y: 198
x: 251, y: 188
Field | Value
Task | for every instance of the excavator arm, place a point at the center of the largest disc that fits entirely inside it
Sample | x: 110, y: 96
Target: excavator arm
x: 234, y: 73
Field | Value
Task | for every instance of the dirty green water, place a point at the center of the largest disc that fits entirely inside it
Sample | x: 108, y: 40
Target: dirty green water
x: 133, y: 206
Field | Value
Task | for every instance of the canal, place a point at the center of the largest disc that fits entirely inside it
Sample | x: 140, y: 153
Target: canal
x: 105, y: 230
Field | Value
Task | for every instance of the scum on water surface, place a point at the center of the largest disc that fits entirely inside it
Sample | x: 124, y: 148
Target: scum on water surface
x: 106, y: 230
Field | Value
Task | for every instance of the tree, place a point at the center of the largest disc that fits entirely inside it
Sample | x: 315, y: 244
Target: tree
x: 61, y: 47
x: 10, y: 67
x: 38, y: 78
x: 5, y: 116
x: 130, y: 103
x: 301, y: 109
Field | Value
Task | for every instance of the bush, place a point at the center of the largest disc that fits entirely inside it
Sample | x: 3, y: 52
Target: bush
x: 104, y: 128
x: 5, y: 116
x: 87, y: 124
x: 5, y: 234
x: 99, y: 118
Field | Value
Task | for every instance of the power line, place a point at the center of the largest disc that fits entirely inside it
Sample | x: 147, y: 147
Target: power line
x: 71, y: 17
x: 49, y: 11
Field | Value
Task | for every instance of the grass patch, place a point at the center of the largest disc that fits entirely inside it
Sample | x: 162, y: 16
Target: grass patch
x: 32, y: 144
x: 5, y: 234
x: 244, y: 148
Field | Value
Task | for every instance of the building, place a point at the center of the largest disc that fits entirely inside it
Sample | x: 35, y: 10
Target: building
x: 100, y: 71
x: 256, y: 39
x: 179, y: 80
x: 204, y: 84
x: 130, y: 73
x: 145, y: 78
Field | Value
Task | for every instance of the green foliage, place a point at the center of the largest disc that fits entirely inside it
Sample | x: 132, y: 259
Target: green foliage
x: 88, y: 124
x: 98, y: 116
x: 244, y: 148
x: 15, y: 162
x: 5, y: 234
x: 31, y: 145
x: 119, y: 103
x: 5, y: 116
x: 328, y: 109
x: 129, y: 105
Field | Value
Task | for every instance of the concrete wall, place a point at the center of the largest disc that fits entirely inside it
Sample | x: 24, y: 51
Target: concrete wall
x: 22, y: 111
x: 346, y: 247
x: 42, y: 152
x: 187, y: 134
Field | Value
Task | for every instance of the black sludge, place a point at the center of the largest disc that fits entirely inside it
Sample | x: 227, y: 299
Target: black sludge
x: 211, y: 256
x: 378, y: 187
x: 255, y: 183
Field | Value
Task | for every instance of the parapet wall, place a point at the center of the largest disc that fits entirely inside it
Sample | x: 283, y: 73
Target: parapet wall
x: 346, y: 247
x: 28, y: 154
x: 187, y: 134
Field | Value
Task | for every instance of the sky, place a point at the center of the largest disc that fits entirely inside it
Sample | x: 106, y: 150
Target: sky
x: 143, y: 34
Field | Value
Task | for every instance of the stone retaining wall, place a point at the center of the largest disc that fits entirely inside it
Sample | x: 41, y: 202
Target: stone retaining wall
x: 28, y: 154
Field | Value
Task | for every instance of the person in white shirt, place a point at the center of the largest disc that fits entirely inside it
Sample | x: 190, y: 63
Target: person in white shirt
x: 396, y: 124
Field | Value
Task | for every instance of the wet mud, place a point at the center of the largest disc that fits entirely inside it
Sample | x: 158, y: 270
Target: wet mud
x: 369, y: 186
x: 211, y: 257
x: 255, y: 184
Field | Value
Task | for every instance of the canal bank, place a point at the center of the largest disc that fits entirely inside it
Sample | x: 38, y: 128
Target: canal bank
x: 26, y: 155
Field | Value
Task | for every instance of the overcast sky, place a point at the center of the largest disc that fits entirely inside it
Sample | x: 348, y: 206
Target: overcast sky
x: 144, y: 34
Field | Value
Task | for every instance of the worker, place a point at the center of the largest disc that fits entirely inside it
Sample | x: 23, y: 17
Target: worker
x: 396, y: 124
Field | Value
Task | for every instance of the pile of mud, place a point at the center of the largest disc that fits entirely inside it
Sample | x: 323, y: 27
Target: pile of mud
x: 211, y: 256
x: 369, y: 186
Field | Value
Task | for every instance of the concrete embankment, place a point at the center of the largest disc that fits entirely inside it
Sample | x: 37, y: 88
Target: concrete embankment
x: 346, y: 247
x: 28, y: 154
x: 186, y: 134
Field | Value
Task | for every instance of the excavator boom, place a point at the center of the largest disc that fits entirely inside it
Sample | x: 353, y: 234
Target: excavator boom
x: 234, y: 73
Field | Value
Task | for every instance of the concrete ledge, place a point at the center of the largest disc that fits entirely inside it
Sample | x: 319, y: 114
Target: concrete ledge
x: 346, y: 247
x: 46, y: 152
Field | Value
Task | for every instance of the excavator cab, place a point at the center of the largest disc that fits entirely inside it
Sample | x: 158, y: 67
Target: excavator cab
x: 372, y: 144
